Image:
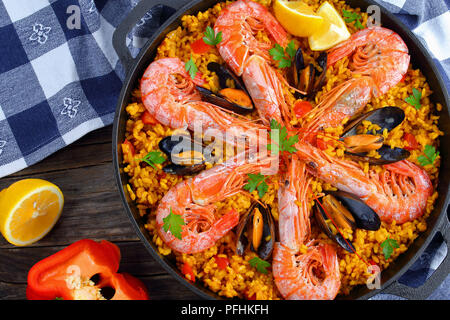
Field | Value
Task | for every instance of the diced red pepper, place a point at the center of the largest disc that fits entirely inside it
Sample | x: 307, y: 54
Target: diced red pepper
x: 222, y: 262
x: 147, y: 118
x: 199, y: 46
x: 127, y: 147
x: 47, y: 279
x: 186, y: 269
x: 411, y: 140
x: 301, y: 108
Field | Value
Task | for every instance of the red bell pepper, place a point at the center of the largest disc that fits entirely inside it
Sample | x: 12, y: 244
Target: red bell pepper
x: 186, y: 269
x: 199, y: 46
x: 53, y: 277
x: 127, y: 147
x: 301, y: 108
x: 412, y: 142
x: 222, y: 262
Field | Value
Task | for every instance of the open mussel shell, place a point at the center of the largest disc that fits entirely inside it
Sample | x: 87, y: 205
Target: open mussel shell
x: 321, y: 219
x: 387, y: 155
x: 224, y: 102
x: 386, y: 118
x: 225, y: 74
x: 184, y: 170
x: 186, y: 155
x: 365, y: 217
x: 344, y: 211
x: 305, y: 77
x: 257, y: 229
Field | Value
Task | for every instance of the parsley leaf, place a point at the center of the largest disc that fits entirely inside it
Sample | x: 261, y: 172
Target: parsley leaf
x: 352, y: 17
x: 414, y: 99
x: 388, y: 246
x: 191, y: 68
x: 173, y: 223
x: 259, y: 264
x: 256, y: 181
x: 59, y: 298
x: 153, y: 157
x: 284, y: 56
x: 429, y: 157
x: 279, y: 134
x: 211, y: 38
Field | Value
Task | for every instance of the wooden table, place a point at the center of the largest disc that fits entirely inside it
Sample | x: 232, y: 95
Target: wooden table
x: 92, y: 209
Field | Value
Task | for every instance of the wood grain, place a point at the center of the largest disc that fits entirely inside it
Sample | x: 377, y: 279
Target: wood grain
x: 92, y: 209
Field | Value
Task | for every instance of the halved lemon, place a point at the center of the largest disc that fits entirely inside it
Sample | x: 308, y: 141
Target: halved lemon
x: 297, y: 17
x: 332, y: 32
x: 28, y: 210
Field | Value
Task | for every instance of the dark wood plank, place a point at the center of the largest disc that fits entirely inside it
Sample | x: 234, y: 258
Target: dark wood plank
x: 161, y: 287
x: 92, y: 207
x: 94, y: 148
x: 135, y: 260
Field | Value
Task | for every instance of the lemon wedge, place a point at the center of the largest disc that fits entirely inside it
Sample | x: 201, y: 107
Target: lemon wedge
x: 28, y: 210
x: 333, y: 30
x: 297, y: 17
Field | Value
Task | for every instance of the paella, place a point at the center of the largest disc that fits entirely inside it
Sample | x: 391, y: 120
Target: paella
x: 279, y: 161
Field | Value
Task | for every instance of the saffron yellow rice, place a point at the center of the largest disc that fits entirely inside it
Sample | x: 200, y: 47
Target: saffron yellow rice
x: 147, y: 186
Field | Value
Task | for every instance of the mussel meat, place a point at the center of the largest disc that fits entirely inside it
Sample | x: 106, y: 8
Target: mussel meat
x: 187, y: 156
x: 307, y: 78
x: 256, y: 229
x: 235, y: 99
x: 357, y: 145
x: 339, y: 211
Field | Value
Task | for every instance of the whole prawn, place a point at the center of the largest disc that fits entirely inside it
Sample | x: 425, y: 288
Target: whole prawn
x: 248, y: 57
x: 169, y: 95
x: 379, y: 59
x: 193, y: 199
x: 306, y: 276
x: 399, y: 193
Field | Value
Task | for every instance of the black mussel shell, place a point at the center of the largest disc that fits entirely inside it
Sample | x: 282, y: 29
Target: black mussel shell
x: 178, y: 143
x: 386, y: 118
x: 265, y: 249
x: 221, y: 101
x: 387, y: 155
x: 307, y: 78
x: 184, y: 170
x: 321, y: 218
x: 224, y: 73
x: 365, y: 217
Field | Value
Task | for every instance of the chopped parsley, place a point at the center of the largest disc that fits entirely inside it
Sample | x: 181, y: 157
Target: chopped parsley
x: 430, y: 155
x: 278, y: 134
x: 173, y: 223
x: 284, y: 56
x: 260, y: 264
x: 388, y: 247
x: 414, y: 99
x: 153, y: 157
x: 257, y: 182
x: 211, y: 38
x: 191, y: 68
x: 353, y: 17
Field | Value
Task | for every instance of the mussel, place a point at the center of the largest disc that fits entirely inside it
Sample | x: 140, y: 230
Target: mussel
x: 187, y: 156
x: 307, y: 78
x: 358, y: 145
x: 340, y: 210
x: 256, y: 228
x: 235, y: 99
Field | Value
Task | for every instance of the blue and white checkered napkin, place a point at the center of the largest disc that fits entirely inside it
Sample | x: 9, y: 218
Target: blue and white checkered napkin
x: 58, y: 83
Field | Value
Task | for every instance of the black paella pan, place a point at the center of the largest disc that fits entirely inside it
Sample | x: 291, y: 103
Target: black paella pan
x: 438, y: 222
